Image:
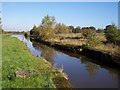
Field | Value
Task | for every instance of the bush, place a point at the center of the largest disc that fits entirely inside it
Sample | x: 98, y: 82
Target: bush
x: 100, y: 31
x: 87, y: 32
x: 61, y: 28
x: 26, y: 34
x: 93, y: 41
x: 112, y: 34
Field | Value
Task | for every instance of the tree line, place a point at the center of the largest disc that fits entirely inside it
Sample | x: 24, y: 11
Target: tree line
x: 49, y: 28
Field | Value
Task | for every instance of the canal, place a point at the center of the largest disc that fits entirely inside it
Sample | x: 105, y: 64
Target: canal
x: 82, y: 72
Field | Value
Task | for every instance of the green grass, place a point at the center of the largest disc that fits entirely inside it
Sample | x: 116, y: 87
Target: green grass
x: 16, y: 56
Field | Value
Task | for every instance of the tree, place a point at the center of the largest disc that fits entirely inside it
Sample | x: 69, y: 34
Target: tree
x: 33, y: 29
x: 48, y: 21
x: 71, y: 29
x: 46, y: 27
x: 100, y: 30
x: 112, y: 33
x: 87, y: 32
x: 61, y: 28
x: 77, y: 29
x: 92, y: 28
x: 45, y: 30
x: 58, y: 28
x: 89, y: 28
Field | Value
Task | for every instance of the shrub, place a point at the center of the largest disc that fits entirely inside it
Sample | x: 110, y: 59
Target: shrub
x: 93, y: 41
x: 26, y: 34
x: 112, y: 34
x: 87, y: 32
x: 61, y: 28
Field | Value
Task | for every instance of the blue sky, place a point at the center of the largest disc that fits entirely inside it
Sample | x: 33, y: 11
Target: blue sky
x: 23, y: 15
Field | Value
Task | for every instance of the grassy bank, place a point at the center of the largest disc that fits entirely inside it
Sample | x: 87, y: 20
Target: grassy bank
x: 69, y: 41
x: 16, y: 57
x: 107, y: 53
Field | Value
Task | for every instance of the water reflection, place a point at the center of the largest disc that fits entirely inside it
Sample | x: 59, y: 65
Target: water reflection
x: 82, y: 71
x: 90, y: 67
x: 46, y: 52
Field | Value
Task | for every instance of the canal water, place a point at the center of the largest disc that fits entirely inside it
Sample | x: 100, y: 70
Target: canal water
x: 82, y: 72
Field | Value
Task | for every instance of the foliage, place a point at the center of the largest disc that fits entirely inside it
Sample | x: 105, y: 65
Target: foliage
x: 46, y: 27
x: 112, y: 34
x: 45, y: 30
x: 77, y: 29
x: 89, y: 28
x: 92, y: 28
x: 61, y: 28
x: 87, y: 32
x: 71, y: 29
x: 33, y: 32
x: 26, y: 34
x: 48, y: 21
x: 100, y: 30
x: 93, y: 40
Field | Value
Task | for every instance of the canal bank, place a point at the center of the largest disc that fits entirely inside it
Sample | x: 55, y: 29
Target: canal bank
x: 21, y: 69
x: 102, y: 56
x: 82, y: 72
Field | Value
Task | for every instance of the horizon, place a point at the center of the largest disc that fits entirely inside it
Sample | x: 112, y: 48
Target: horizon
x: 22, y: 16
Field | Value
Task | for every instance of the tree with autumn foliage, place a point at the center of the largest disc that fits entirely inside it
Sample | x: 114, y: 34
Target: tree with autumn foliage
x: 45, y: 30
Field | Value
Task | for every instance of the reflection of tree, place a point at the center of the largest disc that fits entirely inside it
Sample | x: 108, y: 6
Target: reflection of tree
x: 47, y: 52
x: 91, y: 67
x: 114, y: 73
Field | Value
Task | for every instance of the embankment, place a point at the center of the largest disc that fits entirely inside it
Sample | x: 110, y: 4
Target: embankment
x: 103, y: 57
x: 17, y: 58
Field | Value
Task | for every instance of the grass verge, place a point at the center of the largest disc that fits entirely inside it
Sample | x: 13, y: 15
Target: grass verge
x: 17, y: 57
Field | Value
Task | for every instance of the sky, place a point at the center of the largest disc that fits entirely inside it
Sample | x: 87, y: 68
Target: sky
x: 22, y: 16
x: 60, y: 0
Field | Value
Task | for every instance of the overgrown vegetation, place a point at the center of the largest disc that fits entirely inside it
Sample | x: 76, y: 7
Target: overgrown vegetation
x: 61, y: 28
x: 93, y: 40
x: 91, y: 37
x: 112, y: 34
